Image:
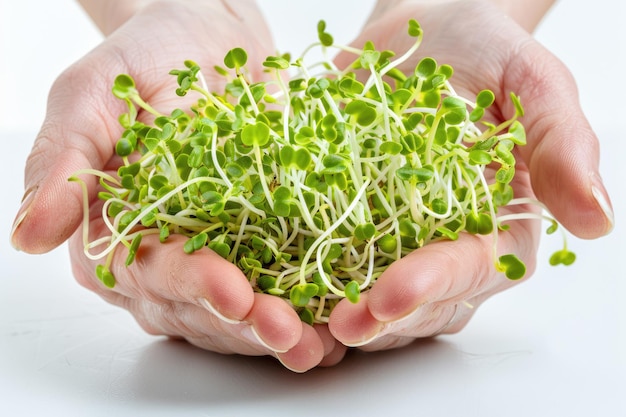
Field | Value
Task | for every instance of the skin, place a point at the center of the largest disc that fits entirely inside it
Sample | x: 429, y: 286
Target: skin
x: 437, y: 288
x: 207, y: 301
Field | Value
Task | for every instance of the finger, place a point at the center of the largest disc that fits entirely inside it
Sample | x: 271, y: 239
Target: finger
x: 306, y: 354
x: 198, y: 326
x: 76, y: 134
x: 277, y: 325
x: 271, y: 327
x: 563, y: 151
x: 163, y: 272
x: 353, y: 324
x: 447, y: 272
x: 334, y: 351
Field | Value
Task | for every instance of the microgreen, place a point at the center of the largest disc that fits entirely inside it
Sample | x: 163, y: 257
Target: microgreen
x: 314, y: 189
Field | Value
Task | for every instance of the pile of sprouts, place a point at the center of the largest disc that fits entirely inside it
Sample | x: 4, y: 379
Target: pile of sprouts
x: 314, y: 183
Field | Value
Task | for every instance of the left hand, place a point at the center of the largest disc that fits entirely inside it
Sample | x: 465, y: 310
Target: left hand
x: 437, y: 288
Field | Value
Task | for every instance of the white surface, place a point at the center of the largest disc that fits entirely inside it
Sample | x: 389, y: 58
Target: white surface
x: 554, y: 346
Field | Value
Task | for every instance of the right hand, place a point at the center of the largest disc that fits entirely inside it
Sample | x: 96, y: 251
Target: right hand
x: 201, y: 297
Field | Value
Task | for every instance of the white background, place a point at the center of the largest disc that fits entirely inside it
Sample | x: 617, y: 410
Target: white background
x: 553, y: 346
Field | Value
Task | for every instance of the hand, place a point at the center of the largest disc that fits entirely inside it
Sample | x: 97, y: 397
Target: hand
x: 201, y: 297
x: 438, y: 287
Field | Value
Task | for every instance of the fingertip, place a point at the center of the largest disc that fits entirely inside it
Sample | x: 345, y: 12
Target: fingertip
x: 334, y: 351
x: 306, y: 354
x: 203, y: 277
x: 275, y: 323
x: 353, y: 324
x: 603, y: 201
x: 565, y: 178
x: 398, y: 293
x: 50, y: 212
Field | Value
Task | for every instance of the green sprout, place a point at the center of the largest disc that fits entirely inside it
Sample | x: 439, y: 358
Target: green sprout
x: 315, y: 185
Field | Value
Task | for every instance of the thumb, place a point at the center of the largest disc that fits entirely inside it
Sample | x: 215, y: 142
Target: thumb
x: 76, y: 134
x: 563, y: 151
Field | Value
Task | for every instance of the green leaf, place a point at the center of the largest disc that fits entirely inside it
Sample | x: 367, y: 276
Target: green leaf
x: 236, y: 58
x: 391, y: 148
x: 164, y: 233
x: 132, y: 250
x: 369, y: 58
x: 477, y: 114
x: 334, y: 252
x: 302, y: 158
x: 322, y: 288
x: 365, y: 114
x: 519, y: 110
x: 105, y: 276
x: 276, y: 62
x: 505, y: 175
x: 265, y: 282
x: 408, y: 173
x: 439, y: 206
x: 387, y: 243
x: 221, y: 248
x: 196, y: 242
x: 563, y: 257
x: 480, y: 223
x: 518, y: 133
x: 426, y: 67
x: 353, y: 291
x: 316, y: 88
x: 365, y: 231
x: 415, y: 30
x: 282, y: 193
x: 124, y: 147
x: 407, y: 228
x: 448, y: 233
x: 287, y: 155
x: 307, y: 316
x: 334, y: 163
x: 479, y: 157
x: 282, y: 208
x: 325, y: 38
x: 158, y: 181
x: 454, y: 109
x: 124, y: 86
x: 304, y: 135
x: 512, y: 266
x: 485, y: 98
x: 257, y: 134
x: 350, y: 86
x: 553, y: 227
x: 301, y: 294
x: 234, y: 170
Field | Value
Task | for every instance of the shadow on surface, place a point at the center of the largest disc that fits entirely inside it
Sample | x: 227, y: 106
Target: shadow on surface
x: 172, y: 372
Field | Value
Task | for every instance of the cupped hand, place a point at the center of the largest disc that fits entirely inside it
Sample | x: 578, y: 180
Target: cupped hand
x: 437, y: 288
x: 201, y: 298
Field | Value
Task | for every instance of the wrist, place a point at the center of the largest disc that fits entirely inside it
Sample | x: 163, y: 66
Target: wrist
x: 108, y: 15
x: 527, y: 13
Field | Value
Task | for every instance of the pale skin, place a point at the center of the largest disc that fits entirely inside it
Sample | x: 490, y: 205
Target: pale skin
x: 207, y: 301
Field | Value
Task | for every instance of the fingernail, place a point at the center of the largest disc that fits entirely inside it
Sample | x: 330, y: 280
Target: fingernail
x: 389, y: 327
x: 250, y: 334
x: 206, y: 304
x: 366, y: 341
x: 599, y: 193
x: 297, y: 371
x: 27, y: 200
